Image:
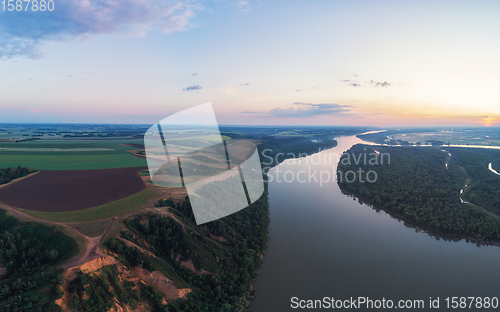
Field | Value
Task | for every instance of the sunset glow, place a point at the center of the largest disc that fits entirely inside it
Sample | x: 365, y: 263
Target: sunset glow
x: 326, y: 62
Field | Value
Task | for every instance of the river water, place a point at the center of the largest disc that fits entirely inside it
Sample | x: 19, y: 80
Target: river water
x: 325, y: 244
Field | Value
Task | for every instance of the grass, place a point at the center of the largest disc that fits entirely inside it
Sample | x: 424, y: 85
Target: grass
x: 109, y: 210
x: 167, y: 270
x: 71, y: 162
x: 91, y: 229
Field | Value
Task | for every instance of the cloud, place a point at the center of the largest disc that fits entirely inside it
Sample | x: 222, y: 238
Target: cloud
x: 351, y: 83
x: 194, y: 75
x: 243, y: 6
x: 192, y: 88
x: 310, y: 110
x: 23, y: 33
x: 380, y: 84
x: 374, y: 83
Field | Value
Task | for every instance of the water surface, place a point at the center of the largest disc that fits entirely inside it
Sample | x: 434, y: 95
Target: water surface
x: 325, y: 244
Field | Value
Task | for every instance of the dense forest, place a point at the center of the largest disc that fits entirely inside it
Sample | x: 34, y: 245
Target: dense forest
x: 484, y: 187
x: 418, y: 187
x: 9, y: 174
x: 29, y: 254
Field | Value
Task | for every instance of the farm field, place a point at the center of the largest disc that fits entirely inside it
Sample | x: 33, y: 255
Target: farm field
x: 59, y: 191
x: 63, y: 147
x: 71, y: 162
x: 117, y: 208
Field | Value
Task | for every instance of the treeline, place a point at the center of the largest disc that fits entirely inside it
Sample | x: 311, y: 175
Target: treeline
x: 29, y: 253
x: 9, y: 174
x: 484, y: 188
x: 290, y: 148
x: 272, y: 145
x: 164, y: 203
x: 417, y: 187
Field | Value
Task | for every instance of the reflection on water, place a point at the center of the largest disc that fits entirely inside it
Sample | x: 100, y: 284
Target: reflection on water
x: 326, y: 244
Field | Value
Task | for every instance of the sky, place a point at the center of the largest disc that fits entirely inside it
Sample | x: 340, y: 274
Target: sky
x: 367, y: 63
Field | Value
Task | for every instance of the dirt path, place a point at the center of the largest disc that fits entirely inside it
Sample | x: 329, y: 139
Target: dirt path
x: 89, y: 246
x: 92, y: 250
x: 22, y: 216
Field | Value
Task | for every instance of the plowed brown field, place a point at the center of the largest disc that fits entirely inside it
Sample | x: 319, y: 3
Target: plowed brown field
x: 56, y: 191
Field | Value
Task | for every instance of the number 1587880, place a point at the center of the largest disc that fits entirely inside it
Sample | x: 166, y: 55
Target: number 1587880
x: 27, y: 5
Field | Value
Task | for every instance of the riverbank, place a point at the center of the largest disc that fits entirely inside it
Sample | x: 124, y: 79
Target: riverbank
x: 421, y: 229
x: 418, y: 189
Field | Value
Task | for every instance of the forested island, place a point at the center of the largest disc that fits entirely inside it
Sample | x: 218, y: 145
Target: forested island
x: 419, y: 187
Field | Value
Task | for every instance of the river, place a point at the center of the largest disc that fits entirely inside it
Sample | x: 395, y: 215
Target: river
x: 325, y: 244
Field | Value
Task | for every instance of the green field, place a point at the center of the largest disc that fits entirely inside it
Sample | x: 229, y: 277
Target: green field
x: 51, y: 155
x: 71, y: 162
x: 91, y: 229
x: 74, y: 153
x: 109, y: 210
